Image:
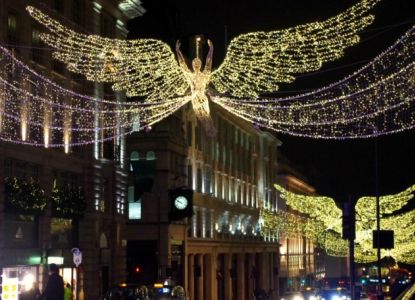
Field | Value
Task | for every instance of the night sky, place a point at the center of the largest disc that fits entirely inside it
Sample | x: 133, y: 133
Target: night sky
x: 340, y: 169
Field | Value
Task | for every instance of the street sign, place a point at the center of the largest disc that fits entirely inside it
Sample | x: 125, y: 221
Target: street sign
x: 77, y: 256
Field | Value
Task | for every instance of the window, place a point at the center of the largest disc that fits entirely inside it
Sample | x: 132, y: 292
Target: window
x: 150, y: 155
x: 61, y: 233
x: 189, y: 175
x: 134, y: 210
x: 134, y: 206
x: 134, y: 156
x: 120, y: 204
x: 107, y: 25
x: 58, y: 66
x: 36, y: 54
x: 226, y: 184
x: 136, y: 123
x: 78, y: 11
x: 12, y: 27
x: 199, y: 180
x: 219, y: 187
x: 58, y: 5
x: 189, y: 133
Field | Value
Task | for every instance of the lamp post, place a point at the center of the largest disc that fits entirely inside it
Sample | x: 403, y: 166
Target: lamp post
x: 379, y: 265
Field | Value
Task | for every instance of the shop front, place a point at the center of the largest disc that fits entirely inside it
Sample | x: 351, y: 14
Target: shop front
x: 21, y: 273
x: 24, y: 273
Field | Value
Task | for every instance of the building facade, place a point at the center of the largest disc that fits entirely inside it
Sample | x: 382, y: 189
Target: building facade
x: 94, y: 177
x: 302, y: 263
x: 218, y: 253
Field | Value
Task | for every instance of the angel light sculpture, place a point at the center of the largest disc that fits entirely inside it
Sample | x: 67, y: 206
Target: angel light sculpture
x: 255, y: 63
x: 393, y: 216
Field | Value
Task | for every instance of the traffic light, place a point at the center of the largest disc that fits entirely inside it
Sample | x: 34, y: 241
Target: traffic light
x: 349, y: 220
x: 137, y: 269
x: 181, y: 204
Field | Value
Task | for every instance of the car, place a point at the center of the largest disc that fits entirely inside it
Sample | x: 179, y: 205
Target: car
x: 364, y: 296
x: 335, y: 294
x: 310, y: 295
x: 292, y: 296
x: 126, y: 292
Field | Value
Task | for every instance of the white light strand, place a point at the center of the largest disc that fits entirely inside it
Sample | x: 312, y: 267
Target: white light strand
x: 36, y: 111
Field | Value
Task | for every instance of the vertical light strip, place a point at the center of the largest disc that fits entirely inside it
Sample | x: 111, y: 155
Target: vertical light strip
x: 67, y: 131
x: 24, y: 117
x: 47, y: 122
x: 2, y: 104
x: 97, y: 87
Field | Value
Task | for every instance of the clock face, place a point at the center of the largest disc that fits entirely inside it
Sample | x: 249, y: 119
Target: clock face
x: 180, y: 202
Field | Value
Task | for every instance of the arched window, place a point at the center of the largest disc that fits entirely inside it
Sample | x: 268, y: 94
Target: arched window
x: 150, y: 155
x: 134, y: 156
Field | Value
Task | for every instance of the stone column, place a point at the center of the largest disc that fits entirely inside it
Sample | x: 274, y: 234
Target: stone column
x: 251, y: 283
x: 227, y: 276
x: 211, y: 291
x: 240, y: 275
x: 200, y: 279
x: 263, y: 271
x: 191, y: 277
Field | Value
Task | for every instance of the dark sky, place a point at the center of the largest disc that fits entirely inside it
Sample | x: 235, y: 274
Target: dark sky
x: 338, y: 169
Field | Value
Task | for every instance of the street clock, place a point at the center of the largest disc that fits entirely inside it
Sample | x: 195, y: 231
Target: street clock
x: 181, y: 202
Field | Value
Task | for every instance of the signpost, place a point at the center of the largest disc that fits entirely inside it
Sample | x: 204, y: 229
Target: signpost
x: 77, y: 260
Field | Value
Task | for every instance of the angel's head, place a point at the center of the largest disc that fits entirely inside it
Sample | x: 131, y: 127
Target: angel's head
x: 196, y: 64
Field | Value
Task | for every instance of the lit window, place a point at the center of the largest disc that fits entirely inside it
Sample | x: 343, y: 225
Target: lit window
x: 35, y: 37
x: 134, y: 157
x: 134, y: 210
x: 11, y: 23
x: 150, y: 155
x: 136, y: 123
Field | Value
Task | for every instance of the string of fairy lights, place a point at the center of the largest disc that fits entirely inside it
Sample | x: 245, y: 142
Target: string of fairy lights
x: 378, y: 99
x: 375, y: 100
x: 323, y: 226
x: 142, y: 67
x: 36, y: 111
x: 257, y: 62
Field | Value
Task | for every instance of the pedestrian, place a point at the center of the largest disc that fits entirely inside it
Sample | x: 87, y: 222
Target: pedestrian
x: 67, y: 292
x: 32, y: 294
x: 54, y: 289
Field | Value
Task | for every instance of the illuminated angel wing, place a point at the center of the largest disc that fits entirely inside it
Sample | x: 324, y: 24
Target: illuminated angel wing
x: 257, y: 62
x: 323, y: 223
x: 402, y: 222
x: 365, y: 206
x: 142, y: 67
x: 322, y: 209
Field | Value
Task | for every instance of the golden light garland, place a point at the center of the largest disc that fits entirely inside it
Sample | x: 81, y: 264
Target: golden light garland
x: 323, y: 211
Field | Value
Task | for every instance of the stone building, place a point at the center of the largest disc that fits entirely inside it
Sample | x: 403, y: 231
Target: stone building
x: 302, y: 264
x: 31, y: 239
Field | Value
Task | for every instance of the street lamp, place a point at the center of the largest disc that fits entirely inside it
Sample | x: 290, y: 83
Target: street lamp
x: 380, y: 292
x: 379, y: 265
